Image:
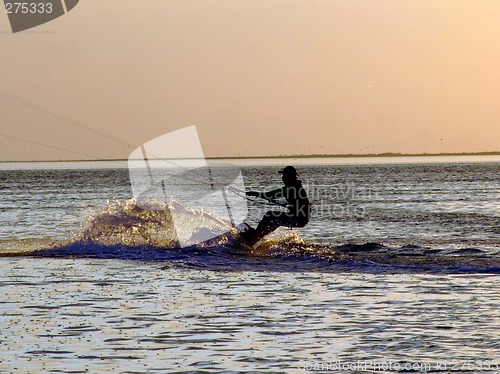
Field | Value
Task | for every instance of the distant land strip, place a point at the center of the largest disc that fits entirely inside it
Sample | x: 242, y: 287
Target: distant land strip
x: 386, y: 154
x: 341, y: 155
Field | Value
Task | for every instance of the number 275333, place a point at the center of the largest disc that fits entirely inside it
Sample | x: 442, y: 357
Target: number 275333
x: 31, y: 8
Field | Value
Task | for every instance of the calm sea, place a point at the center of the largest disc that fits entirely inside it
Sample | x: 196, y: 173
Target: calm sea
x: 397, y: 272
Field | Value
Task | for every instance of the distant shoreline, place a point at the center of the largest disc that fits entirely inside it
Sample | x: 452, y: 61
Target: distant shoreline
x: 350, y: 155
x: 343, y: 155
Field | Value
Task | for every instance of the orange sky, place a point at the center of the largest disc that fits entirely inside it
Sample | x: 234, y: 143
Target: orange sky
x: 256, y: 77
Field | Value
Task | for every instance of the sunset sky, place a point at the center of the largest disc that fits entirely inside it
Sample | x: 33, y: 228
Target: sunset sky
x: 257, y: 78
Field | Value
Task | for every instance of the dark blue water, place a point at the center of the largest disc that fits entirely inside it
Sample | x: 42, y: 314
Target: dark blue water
x: 421, y: 209
x: 397, y: 270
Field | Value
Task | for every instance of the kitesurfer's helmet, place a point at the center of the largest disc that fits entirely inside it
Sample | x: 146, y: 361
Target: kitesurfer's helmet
x: 289, y: 175
x: 288, y: 172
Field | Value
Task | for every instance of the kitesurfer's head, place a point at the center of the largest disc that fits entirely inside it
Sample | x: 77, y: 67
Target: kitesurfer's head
x: 289, y: 175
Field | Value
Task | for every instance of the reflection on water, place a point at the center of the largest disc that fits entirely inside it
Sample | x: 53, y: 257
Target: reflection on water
x: 404, y: 282
x: 68, y: 315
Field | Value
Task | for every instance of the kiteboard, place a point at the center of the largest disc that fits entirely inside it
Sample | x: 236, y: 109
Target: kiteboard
x: 246, y: 232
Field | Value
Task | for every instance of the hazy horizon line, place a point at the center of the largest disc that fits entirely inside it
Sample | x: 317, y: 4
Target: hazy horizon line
x: 333, y: 155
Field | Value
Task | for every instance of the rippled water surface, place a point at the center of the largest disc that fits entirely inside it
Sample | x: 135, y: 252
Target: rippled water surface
x: 398, y: 270
x: 103, y: 315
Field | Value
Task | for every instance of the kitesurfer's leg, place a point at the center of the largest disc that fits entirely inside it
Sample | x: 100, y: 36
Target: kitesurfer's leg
x: 270, y: 222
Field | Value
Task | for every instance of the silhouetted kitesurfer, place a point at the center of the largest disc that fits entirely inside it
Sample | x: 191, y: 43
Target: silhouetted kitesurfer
x: 297, y: 211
